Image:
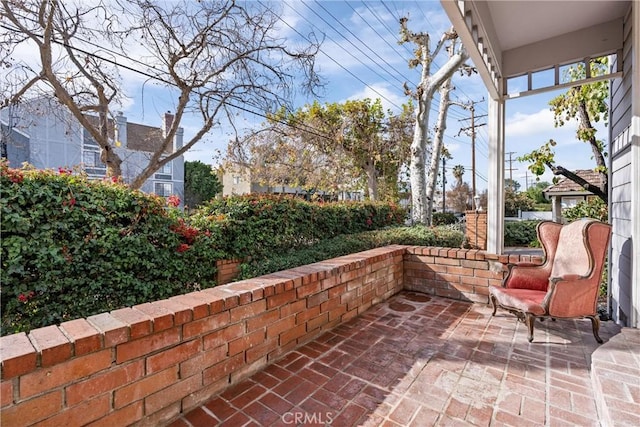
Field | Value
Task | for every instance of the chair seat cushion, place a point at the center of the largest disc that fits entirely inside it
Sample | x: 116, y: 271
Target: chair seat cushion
x: 525, y: 300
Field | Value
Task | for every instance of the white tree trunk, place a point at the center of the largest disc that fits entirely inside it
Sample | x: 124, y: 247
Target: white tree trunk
x: 428, y: 85
x: 417, y: 166
x: 436, y: 151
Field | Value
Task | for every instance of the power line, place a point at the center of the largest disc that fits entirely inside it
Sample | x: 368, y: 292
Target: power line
x: 311, y: 130
x: 364, y: 44
x: 338, y: 44
x: 511, y: 168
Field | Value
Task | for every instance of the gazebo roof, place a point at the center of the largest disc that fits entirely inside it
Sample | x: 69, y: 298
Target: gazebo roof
x: 566, y: 187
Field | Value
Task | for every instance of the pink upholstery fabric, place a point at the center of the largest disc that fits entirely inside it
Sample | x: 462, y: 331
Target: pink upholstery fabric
x: 572, y: 255
x: 528, y: 277
x: 574, y: 298
x: 525, y: 300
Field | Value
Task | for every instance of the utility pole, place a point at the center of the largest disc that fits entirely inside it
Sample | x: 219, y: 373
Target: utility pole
x: 471, y: 131
x: 511, y: 169
x: 444, y: 181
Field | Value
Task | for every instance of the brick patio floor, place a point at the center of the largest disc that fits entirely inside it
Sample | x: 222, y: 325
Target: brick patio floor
x: 417, y: 360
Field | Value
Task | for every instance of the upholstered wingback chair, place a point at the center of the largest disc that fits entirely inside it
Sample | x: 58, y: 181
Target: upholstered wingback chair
x: 566, y: 285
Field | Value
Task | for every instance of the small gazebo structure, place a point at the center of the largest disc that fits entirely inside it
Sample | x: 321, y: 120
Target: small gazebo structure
x: 567, y: 193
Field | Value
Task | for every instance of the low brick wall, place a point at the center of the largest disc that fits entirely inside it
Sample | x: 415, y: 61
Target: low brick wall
x: 227, y: 270
x: 145, y: 364
x: 464, y: 274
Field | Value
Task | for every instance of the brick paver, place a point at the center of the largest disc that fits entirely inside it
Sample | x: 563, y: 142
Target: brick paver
x: 418, y: 360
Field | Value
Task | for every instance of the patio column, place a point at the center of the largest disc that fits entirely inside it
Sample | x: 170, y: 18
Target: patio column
x: 635, y: 167
x: 495, y: 177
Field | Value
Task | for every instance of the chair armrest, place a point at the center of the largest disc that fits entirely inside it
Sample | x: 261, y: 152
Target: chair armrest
x: 527, y: 275
x: 572, y: 295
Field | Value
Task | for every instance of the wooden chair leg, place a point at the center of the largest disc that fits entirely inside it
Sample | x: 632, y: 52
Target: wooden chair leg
x: 494, y: 303
x: 530, y: 319
x: 595, y: 325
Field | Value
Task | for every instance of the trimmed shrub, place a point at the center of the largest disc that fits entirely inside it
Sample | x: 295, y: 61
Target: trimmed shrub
x: 73, y: 247
x: 594, y: 208
x: 347, y: 244
x: 521, y: 233
x: 444, y: 218
x: 259, y: 225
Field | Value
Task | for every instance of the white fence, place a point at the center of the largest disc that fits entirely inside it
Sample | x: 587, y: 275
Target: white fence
x: 531, y: 215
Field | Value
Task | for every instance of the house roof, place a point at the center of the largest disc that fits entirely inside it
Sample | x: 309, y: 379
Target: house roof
x: 139, y: 137
x: 144, y: 138
x: 567, y: 187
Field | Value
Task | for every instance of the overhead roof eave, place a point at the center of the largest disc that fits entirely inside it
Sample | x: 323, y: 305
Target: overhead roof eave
x: 476, y: 32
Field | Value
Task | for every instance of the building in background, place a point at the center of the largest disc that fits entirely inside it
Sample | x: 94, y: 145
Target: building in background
x: 236, y: 180
x: 45, y: 135
x: 567, y: 194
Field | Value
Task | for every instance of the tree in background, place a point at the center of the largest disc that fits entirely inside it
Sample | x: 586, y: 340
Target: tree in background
x: 276, y: 156
x: 458, y: 172
x: 211, y: 56
x: 512, y: 184
x: 200, y: 184
x: 459, y: 196
x: 588, y: 104
x: 421, y: 204
x: 514, y: 202
x: 534, y: 192
x: 332, y: 147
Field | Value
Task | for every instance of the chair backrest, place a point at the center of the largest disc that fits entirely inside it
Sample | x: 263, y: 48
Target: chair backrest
x: 582, y: 246
x: 548, y: 234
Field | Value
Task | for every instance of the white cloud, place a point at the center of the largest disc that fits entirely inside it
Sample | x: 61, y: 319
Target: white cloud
x: 529, y: 124
x: 389, y: 98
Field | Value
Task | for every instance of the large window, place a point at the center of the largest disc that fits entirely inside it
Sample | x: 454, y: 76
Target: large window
x: 164, y: 189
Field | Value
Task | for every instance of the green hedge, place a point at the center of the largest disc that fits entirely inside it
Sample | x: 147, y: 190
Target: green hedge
x: 344, y: 245
x: 444, y: 218
x: 265, y: 224
x: 521, y: 233
x: 72, y: 247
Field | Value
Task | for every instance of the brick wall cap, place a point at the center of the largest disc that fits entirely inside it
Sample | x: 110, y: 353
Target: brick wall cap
x: 52, y: 345
x: 115, y: 331
x: 83, y: 335
x: 181, y: 312
x: 139, y: 322
x: 16, y: 350
x: 198, y: 302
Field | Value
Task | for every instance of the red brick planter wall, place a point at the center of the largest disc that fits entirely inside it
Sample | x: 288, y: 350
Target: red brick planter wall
x: 144, y: 365
x: 147, y: 363
x: 464, y: 274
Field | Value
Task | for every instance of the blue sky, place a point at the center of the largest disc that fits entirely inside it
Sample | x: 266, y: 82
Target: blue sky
x: 360, y: 58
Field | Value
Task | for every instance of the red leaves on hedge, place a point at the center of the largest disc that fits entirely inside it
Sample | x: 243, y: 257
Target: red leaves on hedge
x: 173, y: 200
x: 26, y: 297
x: 187, y: 232
x: 182, y: 247
x: 14, y: 175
